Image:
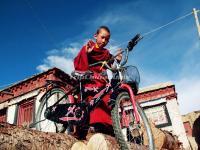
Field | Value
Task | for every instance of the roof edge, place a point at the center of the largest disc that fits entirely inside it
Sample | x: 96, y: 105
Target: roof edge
x: 155, y: 87
x: 33, y: 76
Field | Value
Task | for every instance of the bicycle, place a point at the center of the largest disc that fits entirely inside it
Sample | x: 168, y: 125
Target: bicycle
x: 63, y: 110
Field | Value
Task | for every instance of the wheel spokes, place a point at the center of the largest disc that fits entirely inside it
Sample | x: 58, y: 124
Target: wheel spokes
x: 127, y: 120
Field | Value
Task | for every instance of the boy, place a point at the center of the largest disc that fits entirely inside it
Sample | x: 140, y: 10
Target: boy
x: 92, y: 52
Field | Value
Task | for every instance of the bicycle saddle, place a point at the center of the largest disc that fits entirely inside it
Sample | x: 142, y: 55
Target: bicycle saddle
x: 81, y: 74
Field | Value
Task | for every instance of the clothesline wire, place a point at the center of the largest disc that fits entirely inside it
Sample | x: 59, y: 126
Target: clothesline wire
x: 161, y: 27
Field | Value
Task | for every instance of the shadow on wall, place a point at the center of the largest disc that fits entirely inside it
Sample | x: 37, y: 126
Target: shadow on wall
x: 196, y: 131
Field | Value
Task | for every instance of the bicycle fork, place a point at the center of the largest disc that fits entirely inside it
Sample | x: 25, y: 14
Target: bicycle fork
x: 132, y: 98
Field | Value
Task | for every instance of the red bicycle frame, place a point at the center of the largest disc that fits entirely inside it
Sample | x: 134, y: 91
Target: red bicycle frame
x: 133, y: 101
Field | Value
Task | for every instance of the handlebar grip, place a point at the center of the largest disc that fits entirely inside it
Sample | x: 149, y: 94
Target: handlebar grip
x: 133, y: 42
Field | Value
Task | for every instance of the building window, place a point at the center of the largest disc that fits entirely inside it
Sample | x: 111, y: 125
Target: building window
x: 25, y: 112
x: 159, y: 115
x: 3, y: 115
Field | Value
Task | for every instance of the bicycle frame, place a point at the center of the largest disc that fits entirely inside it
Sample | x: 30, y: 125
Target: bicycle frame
x: 132, y: 98
x: 97, y: 98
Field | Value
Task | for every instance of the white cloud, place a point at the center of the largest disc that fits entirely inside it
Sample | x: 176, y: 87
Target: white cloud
x: 187, y: 82
x: 73, y: 49
x: 187, y: 87
x: 57, y: 61
x: 53, y: 52
x: 61, y: 58
x: 110, y: 18
x: 43, y: 67
x: 148, y: 78
x: 188, y: 94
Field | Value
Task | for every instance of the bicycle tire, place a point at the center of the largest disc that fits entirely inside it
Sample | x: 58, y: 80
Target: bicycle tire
x: 40, y: 113
x: 125, y: 141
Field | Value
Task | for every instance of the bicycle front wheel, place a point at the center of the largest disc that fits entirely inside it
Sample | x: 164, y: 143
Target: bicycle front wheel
x: 47, y: 100
x: 126, y: 130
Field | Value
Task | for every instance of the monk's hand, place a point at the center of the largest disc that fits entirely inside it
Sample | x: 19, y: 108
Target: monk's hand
x: 119, y: 55
x: 89, y: 46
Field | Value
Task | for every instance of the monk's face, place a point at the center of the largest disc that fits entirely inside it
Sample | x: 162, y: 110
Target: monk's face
x: 102, y: 38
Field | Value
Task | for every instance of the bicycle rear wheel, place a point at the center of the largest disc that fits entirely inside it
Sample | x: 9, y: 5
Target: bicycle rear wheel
x: 48, y: 99
x: 126, y: 130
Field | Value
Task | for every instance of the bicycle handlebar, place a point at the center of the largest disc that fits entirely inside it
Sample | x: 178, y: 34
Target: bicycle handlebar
x: 134, y: 41
x: 130, y: 46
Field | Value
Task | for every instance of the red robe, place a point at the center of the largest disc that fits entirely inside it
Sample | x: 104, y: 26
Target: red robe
x: 102, y: 113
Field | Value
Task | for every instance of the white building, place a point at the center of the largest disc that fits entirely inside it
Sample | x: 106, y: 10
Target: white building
x: 160, y: 104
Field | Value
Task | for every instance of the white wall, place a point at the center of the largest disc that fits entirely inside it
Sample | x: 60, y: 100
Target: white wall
x: 177, y: 124
x: 177, y: 127
x: 12, y: 105
x: 37, y: 101
x: 11, y: 113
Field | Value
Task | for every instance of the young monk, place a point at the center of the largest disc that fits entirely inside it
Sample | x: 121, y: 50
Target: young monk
x: 92, y: 52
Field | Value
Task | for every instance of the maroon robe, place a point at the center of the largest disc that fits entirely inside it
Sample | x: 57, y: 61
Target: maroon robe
x: 102, y: 113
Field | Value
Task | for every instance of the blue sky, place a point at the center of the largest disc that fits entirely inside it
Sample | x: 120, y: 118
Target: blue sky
x: 38, y: 34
